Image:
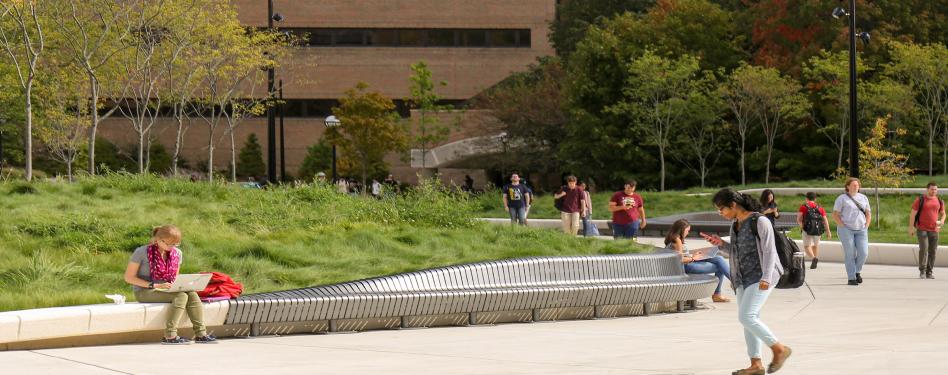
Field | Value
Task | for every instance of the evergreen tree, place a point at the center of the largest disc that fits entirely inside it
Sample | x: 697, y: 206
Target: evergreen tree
x: 250, y: 161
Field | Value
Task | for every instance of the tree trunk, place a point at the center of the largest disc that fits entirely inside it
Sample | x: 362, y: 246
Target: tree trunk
x: 878, y: 208
x: 743, y: 175
x: 177, y: 143
x: 28, y: 134
x: 233, y: 158
x: 931, y: 146
x: 94, y: 111
x: 69, y: 169
x: 767, y: 173
x: 661, y: 157
x: 210, y: 151
x: 141, y: 151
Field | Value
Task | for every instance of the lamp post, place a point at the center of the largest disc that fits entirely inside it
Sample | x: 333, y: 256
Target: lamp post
x: 853, y: 115
x: 271, y: 116
x: 331, y: 122
x: 503, y: 160
x: 282, y: 143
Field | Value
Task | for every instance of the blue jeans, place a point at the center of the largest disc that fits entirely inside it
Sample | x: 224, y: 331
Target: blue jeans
x: 518, y: 215
x: 855, y: 249
x: 716, y: 265
x: 749, y: 303
x: 630, y: 230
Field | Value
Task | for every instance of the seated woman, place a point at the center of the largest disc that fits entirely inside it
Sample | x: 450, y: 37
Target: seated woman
x: 675, y: 240
x: 155, y: 266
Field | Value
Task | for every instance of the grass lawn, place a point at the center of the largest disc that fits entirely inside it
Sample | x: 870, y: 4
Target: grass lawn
x: 894, y: 208
x: 67, y: 244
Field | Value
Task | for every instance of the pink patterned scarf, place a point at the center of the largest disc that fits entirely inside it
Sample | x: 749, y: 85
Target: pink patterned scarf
x: 163, y: 269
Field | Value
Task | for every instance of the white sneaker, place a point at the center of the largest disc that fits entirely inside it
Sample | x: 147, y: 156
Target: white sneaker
x: 921, y: 274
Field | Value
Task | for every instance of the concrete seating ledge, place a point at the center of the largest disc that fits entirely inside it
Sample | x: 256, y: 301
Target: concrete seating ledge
x: 46, y: 327
x: 514, y: 290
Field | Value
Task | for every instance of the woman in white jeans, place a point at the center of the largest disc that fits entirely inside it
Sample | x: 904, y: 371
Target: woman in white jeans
x: 755, y: 270
x: 852, y: 216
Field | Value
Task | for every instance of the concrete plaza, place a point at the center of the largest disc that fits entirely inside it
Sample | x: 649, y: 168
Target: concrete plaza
x: 892, y: 324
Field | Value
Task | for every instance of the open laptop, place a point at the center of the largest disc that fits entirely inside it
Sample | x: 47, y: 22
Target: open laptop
x: 705, y: 253
x: 189, y: 282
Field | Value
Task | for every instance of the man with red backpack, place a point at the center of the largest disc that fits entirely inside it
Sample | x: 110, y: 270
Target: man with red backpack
x: 813, y: 224
x: 925, y: 221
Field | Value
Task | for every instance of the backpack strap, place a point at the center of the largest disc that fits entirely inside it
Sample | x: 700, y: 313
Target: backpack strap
x: 921, y: 205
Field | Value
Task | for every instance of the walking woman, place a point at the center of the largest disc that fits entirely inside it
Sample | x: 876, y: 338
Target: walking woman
x: 675, y: 240
x: 768, y: 205
x: 154, y: 267
x: 852, y: 216
x: 755, y: 270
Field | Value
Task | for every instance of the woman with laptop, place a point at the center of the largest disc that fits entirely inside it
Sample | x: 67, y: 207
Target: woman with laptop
x: 152, y: 271
x: 702, y: 261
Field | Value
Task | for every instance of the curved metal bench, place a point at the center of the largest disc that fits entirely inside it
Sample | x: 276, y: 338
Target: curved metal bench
x: 526, y: 289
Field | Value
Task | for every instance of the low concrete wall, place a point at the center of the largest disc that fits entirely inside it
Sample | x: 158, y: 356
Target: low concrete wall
x: 839, y: 190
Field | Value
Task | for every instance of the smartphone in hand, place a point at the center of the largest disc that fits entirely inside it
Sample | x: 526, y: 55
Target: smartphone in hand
x: 713, y: 239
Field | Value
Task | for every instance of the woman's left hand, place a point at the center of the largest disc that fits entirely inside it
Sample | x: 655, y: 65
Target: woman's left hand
x: 764, y: 285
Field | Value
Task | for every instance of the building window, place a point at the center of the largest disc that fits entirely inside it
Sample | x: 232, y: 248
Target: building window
x: 443, y: 38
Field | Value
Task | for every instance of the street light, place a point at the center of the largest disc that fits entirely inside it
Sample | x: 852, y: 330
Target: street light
x: 271, y: 116
x: 853, y: 130
x: 503, y: 160
x: 332, y: 122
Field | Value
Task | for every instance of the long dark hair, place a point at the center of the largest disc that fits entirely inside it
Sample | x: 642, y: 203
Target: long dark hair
x: 677, y: 231
x: 726, y: 196
x: 765, y: 197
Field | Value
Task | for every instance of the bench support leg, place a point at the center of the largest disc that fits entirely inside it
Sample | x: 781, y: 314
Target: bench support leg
x: 681, y: 306
x: 472, y: 318
x: 332, y: 326
x: 645, y: 310
x: 536, y: 315
x: 254, y: 329
x: 597, y: 312
x: 404, y: 323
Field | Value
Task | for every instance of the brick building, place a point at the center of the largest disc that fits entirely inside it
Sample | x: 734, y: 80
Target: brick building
x: 471, y: 45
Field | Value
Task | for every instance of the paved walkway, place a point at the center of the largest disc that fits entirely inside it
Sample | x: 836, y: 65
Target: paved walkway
x: 893, y: 324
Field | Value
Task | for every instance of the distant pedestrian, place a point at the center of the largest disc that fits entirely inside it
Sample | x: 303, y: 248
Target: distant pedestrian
x: 628, y: 212
x: 530, y: 197
x: 515, y: 198
x: 391, y: 184
x: 468, y: 183
x: 571, y: 207
x: 811, y: 218
x: 768, y: 205
x: 321, y: 177
x: 925, y: 221
x: 852, y: 216
x: 342, y: 186
x: 589, y: 228
x: 376, y: 189
x: 755, y: 270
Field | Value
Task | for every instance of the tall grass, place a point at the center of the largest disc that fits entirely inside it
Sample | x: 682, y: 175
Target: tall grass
x: 64, y: 244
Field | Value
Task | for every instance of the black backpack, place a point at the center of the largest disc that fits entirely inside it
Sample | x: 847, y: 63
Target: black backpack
x: 794, y: 266
x: 558, y: 202
x: 813, y: 221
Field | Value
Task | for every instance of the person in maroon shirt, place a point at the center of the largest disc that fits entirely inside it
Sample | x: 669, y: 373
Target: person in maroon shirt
x: 925, y: 221
x: 572, y: 208
x: 628, y: 212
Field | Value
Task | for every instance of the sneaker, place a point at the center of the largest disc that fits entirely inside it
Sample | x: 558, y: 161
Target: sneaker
x: 929, y: 276
x: 177, y: 340
x: 921, y: 274
x: 853, y: 282
x: 813, y: 263
x: 858, y: 278
x: 206, y: 339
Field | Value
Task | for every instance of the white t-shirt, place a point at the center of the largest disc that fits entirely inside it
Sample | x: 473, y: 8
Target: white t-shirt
x: 851, y: 214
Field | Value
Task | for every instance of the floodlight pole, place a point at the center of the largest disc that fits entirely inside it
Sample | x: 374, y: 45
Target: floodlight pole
x: 853, y: 115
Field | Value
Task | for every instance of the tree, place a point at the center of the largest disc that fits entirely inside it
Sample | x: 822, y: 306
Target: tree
x: 574, y: 17
x: 318, y: 159
x: 656, y: 92
x: 21, y: 34
x: 827, y: 79
x: 738, y: 93
x: 370, y: 129
x: 250, y: 163
x: 430, y: 130
x: 778, y: 100
x: 87, y: 33
x: 879, y: 165
x: 64, y: 123
x: 922, y: 68
x: 701, y: 134
x: 532, y: 109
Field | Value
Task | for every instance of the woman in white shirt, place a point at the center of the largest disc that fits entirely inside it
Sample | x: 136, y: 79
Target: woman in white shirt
x: 852, y: 216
